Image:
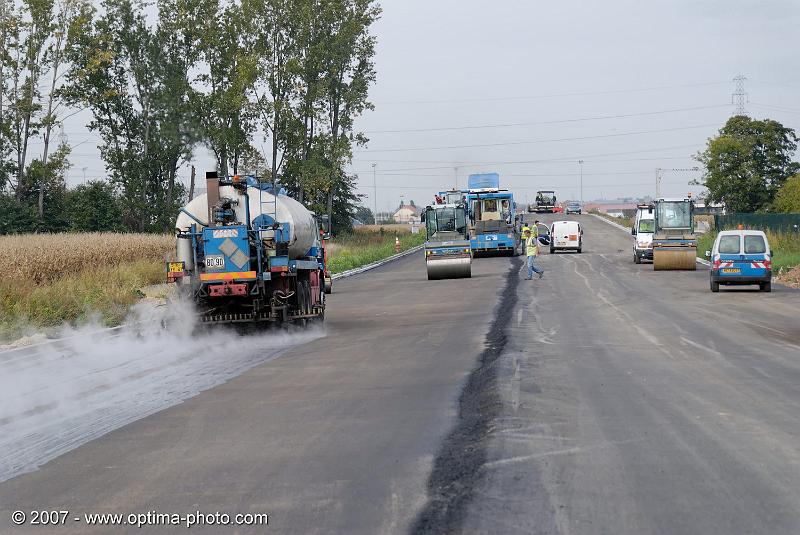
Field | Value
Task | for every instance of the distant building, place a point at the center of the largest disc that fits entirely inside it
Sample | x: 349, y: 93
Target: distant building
x: 407, y: 213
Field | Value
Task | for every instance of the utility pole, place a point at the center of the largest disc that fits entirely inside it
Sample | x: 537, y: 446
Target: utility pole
x: 660, y: 175
x: 739, y: 97
x: 191, y: 185
x: 375, y: 193
x: 580, y: 162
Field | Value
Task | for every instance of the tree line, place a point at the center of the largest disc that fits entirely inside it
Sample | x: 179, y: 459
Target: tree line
x: 271, y: 87
x: 750, y: 167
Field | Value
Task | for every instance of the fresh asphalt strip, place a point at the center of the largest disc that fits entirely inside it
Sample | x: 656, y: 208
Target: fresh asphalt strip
x: 458, y: 465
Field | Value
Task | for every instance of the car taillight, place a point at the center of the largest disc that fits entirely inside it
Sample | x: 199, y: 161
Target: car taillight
x: 716, y: 263
x: 768, y: 263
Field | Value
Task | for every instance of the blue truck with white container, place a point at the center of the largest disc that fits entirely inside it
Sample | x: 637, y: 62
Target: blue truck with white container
x: 250, y: 254
x: 494, y: 227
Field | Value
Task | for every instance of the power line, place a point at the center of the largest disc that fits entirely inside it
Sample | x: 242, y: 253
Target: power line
x: 540, y: 123
x: 445, y: 184
x: 610, y: 173
x: 555, y: 95
x: 775, y: 108
x: 565, y: 159
x: 501, y: 162
x: 554, y: 140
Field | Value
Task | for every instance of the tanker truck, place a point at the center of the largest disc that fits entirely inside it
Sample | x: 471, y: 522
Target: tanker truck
x: 249, y: 254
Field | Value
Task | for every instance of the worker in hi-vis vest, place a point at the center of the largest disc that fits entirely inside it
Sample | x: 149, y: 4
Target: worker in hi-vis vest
x: 531, y: 250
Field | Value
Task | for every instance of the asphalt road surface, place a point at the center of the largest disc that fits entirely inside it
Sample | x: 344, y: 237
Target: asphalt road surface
x: 604, y: 398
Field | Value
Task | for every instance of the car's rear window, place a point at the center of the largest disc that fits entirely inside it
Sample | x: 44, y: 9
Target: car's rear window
x: 754, y: 244
x: 729, y: 244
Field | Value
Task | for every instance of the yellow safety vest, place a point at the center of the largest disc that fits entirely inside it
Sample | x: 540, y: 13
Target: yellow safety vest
x: 531, y: 246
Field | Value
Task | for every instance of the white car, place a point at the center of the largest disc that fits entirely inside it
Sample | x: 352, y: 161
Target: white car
x: 566, y: 236
x: 643, y: 228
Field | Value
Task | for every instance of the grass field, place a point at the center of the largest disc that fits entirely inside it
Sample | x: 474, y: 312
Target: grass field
x: 785, y: 248
x: 365, y: 246
x: 53, y: 279
x: 56, y: 278
x: 624, y: 221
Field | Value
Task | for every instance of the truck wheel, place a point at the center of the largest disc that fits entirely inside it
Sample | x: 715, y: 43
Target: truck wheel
x: 552, y: 250
x: 637, y: 259
x: 714, y: 286
x: 765, y: 286
x: 580, y: 250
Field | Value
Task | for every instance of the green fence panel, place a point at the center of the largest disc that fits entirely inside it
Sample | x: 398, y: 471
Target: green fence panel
x: 773, y: 222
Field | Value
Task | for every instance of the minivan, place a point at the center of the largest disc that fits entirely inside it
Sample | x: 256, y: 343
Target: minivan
x: 644, y: 225
x: 741, y: 257
x: 566, y: 236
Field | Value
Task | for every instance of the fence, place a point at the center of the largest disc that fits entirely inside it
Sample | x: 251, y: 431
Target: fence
x: 773, y: 222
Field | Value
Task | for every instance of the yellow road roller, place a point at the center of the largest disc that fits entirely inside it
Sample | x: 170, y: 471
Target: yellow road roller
x: 448, y: 254
x: 674, y: 241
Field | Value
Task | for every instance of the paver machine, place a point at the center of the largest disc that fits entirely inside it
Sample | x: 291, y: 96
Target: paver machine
x: 448, y: 254
x: 674, y: 240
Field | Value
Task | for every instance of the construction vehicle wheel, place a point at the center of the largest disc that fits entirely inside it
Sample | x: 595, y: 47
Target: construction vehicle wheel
x: 714, y: 286
x: 765, y: 286
x: 328, y: 284
x: 674, y: 259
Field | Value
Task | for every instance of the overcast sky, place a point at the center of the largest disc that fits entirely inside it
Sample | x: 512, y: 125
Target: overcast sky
x: 626, y: 86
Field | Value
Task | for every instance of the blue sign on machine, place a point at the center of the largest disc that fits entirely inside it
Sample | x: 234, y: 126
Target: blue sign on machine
x: 226, y: 248
x: 484, y: 181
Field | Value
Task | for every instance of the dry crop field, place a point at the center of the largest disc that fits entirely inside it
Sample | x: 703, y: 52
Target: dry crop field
x: 38, y: 258
x: 51, y: 279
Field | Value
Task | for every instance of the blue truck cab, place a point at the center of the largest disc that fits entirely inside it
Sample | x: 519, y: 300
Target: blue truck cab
x: 741, y: 257
x: 493, y: 224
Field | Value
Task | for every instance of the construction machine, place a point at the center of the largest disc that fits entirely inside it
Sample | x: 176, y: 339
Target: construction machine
x: 674, y: 241
x: 448, y: 254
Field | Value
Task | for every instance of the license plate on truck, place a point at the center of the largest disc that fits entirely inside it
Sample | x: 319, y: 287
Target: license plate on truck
x: 175, y: 267
x: 731, y: 270
x: 215, y: 262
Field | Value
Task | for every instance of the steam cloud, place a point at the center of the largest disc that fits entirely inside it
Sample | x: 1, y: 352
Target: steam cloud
x: 58, y: 396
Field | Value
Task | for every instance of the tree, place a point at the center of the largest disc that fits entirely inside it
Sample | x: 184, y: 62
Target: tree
x: 349, y: 71
x: 94, y: 207
x: 227, y: 117
x: 748, y: 162
x: 135, y: 79
x: 788, y: 197
x: 365, y: 215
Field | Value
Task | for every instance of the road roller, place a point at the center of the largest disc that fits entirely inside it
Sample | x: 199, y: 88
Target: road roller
x: 674, y: 241
x: 448, y: 254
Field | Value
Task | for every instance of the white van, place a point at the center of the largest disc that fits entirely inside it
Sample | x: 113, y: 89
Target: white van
x: 644, y: 225
x: 566, y: 236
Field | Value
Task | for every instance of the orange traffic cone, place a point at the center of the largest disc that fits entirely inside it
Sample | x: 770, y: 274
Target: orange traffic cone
x: 396, y: 244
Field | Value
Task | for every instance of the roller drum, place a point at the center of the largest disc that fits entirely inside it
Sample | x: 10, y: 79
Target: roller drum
x: 449, y: 268
x: 674, y: 259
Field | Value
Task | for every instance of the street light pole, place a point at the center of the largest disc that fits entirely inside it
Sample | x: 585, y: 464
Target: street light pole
x: 580, y: 162
x: 374, y: 194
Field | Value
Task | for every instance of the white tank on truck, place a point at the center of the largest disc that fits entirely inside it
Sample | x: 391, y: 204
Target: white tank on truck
x: 303, y: 228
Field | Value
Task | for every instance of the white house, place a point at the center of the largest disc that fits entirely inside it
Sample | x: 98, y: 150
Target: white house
x: 407, y: 213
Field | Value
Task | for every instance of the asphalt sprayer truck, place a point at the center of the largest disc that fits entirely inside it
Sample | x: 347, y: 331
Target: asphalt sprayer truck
x: 249, y: 254
x: 674, y: 240
x: 493, y: 221
x: 448, y: 254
